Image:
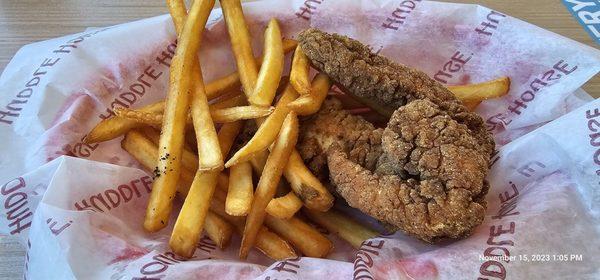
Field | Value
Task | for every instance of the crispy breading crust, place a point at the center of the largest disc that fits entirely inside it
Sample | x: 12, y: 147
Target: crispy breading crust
x: 425, y: 172
x: 379, y: 82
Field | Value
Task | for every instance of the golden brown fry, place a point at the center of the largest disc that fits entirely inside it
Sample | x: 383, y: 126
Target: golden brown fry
x: 225, y: 115
x: 304, y: 237
x: 188, y: 158
x: 284, y: 207
x: 482, y: 91
x: 472, y: 105
x: 265, y: 190
x: 114, y: 127
x: 271, y: 68
x: 232, y: 81
x: 266, y: 241
x: 233, y: 101
x: 241, y: 189
x: 346, y: 228
x: 218, y: 229
x: 227, y: 134
x: 240, y: 113
x: 299, y: 73
x: 306, y: 185
x: 267, y: 131
x: 310, y: 104
x: 190, y: 222
x: 145, y: 152
x: 241, y: 44
x: 171, y: 141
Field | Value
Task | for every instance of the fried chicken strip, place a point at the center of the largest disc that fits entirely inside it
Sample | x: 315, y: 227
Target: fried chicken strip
x: 425, y: 172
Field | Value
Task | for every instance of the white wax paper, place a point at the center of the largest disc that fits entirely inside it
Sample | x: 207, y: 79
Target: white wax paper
x: 78, y: 208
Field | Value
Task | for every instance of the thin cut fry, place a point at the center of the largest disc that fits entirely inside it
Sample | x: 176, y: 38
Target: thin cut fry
x: 188, y: 158
x: 286, y: 141
x: 284, y: 207
x: 472, y: 105
x: 218, y: 230
x: 240, y: 113
x: 191, y: 219
x: 304, y: 237
x: 227, y: 134
x: 266, y: 241
x: 306, y: 185
x: 241, y: 189
x: 482, y: 91
x: 271, y: 68
x: 233, y: 101
x: 225, y: 115
x: 171, y: 142
x: 241, y: 44
x: 190, y: 222
x: 114, y: 127
x: 310, y: 104
x: 145, y: 152
x: 267, y: 131
x: 299, y: 72
x: 231, y: 81
x: 338, y: 223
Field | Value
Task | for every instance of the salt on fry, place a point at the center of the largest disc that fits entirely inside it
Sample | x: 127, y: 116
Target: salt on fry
x: 267, y: 185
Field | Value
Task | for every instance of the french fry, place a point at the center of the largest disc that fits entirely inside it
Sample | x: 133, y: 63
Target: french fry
x: 267, y: 185
x: 240, y: 44
x: 271, y: 68
x: 304, y: 237
x: 240, y: 113
x: 482, y: 91
x: 310, y: 104
x: 224, y: 115
x: 233, y: 101
x: 267, y: 131
x: 145, y: 152
x: 218, y: 229
x: 231, y: 81
x: 306, y: 185
x: 171, y: 141
x: 191, y: 219
x: 472, y: 105
x: 284, y: 207
x: 266, y: 241
x: 227, y: 134
x: 299, y: 72
x: 240, y: 191
x: 114, y: 127
x: 188, y: 159
x: 343, y: 226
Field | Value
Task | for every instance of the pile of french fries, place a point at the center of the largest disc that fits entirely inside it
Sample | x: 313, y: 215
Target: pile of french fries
x: 177, y: 140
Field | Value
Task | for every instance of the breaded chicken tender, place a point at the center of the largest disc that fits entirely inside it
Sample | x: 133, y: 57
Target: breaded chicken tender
x: 424, y: 173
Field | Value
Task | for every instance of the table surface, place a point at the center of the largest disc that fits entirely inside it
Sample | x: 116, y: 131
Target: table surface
x: 26, y: 21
